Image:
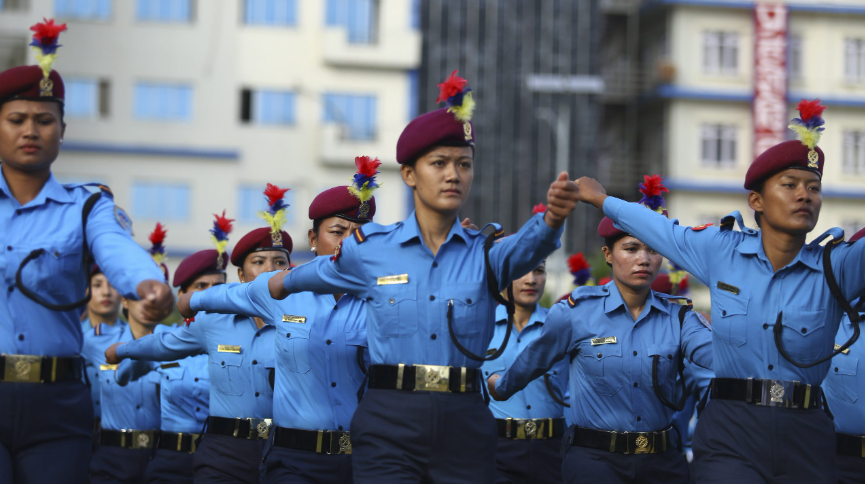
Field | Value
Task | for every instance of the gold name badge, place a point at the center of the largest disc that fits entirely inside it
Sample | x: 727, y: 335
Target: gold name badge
x: 288, y: 318
x: 845, y: 352
x: 386, y: 280
x: 727, y: 287
x: 107, y: 367
x: 604, y: 341
x: 228, y: 348
x: 170, y: 365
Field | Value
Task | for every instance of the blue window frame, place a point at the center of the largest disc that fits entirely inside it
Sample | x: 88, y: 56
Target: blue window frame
x: 83, y: 9
x: 270, y: 12
x: 160, y: 201
x: 251, y: 200
x: 415, y: 14
x: 413, y: 88
x: 179, y: 11
x: 360, y: 17
x: 82, y: 98
x: 355, y: 113
x: 273, y: 107
x: 163, y: 102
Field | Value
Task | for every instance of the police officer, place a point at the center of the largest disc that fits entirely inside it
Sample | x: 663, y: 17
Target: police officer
x: 101, y: 328
x: 625, y: 343
x: 843, y: 387
x: 425, y: 279
x: 320, y: 342
x: 770, y: 292
x: 240, y: 350
x: 46, y: 414
x: 531, y: 423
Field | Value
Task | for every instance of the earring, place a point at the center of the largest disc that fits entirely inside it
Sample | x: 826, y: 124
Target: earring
x: 312, y: 249
x: 61, y: 141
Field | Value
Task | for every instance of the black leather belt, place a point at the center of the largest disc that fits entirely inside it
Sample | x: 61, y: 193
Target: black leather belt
x: 770, y: 393
x: 428, y: 378
x: 177, y: 441
x: 40, y: 369
x: 853, y: 445
x: 241, y: 428
x: 129, y: 439
x: 320, y: 441
x: 531, y: 428
x: 623, y: 442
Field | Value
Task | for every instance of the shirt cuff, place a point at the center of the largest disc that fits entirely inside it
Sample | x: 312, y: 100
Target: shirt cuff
x: 612, y: 205
x: 547, y: 233
x: 121, y: 351
x: 194, y: 301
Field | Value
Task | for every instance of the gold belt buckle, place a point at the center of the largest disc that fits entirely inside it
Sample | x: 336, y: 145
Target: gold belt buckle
x: 432, y: 378
x: 777, y: 393
x: 259, y: 428
x: 23, y: 369
x: 644, y: 444
x: 138, y: 439
x: 529, y: 429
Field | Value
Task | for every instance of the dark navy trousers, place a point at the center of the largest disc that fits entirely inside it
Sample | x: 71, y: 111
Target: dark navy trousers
x: 582, y: 465
x: 299, y: 466
x: 46, y: 431
x: 225, y: 459
x: 117, y: 465
x: 430, y: 437
x: 851, y: 470
x: 529, y: 461
x: 743, y: 443
x: 169, y: 467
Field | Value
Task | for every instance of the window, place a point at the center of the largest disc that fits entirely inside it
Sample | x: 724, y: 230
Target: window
x: 356, y: 114
x: 179, y: 11
x: 270, y: 12
x: 86, y: 98
x: 854, y: 65
x: 13, y: 5
x: 83, y: 9
x: 794, y: 57
x: 719, y: 145
x: 163, y: 102
x: 413, y: 93
x: 251, y: 200
x: 721, y: 53
x: 165, y: 202
x: 358, y: 16
x: 854, y: 153
x: 415, y: 14
x: 267, y: 107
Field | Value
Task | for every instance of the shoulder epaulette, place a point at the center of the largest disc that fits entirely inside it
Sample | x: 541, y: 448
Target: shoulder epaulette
x: 729, y: 222
x: 586, y: 292
x: 361, y: 234
x: 836, y: 234
x: 498, y: 233
x: 105, y: 189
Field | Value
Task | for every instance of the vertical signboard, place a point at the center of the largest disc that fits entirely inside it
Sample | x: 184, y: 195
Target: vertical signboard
x: 770, y: 75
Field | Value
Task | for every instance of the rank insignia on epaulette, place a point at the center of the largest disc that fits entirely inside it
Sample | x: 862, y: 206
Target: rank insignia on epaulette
x: 105, y: 188
x: 701, y: 227
x: 571, y: 301
x: 703, y: 320
x: 358, y: 236
x: 123, y: 219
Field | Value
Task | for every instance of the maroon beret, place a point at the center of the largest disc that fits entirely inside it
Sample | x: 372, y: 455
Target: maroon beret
x: 435, y: 128
x: 789, y: 154
x: 858, y: 235
x: 662, y: 284
x: 24, y: 82
x: 606, y: 229
x: 199, y: 263
x: 339, y: 202
x: 258, y: 240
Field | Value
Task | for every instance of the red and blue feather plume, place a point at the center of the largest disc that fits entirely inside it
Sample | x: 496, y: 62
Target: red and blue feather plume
x: 219, y: 233
x: 457, y: 96
x: 276, y: 207
x: 809, y: 125
x: 45, y: 43
x: 653, y: 190
x: 364, y: 182
x: 539, y: 208
x: 580, y: 269
x: 157, y: 243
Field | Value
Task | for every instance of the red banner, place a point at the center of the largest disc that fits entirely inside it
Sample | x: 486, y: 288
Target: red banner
x: 770, y: 75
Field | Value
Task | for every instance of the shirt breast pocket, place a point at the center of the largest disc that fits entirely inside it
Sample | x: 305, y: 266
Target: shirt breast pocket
x: 396, y: 309
x: 173, y: 384
x: 356, y: 342
x: 843, y: 376
x: 603, y: 366
x: 804, y: 333
x: 668, y: 366
x: 730, y: 319
x: 467, y: 312
x: 227, y: 377
x: 54, y: 270
x: 296, y: 347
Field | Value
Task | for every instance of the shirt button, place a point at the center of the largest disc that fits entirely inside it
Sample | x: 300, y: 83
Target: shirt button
x: 335, y: 307
x: 11, y: 288
x: 223, y: 363
x: 724, y: 312
x: 256, y: 394
x: 288, y: 335
x: 197, y: 409
x: 20, y: 337
x: 8, y: 247
x: 765, y: 326
x: 771, y: 367
x: 432, y: 298
x: 339, y: 428
x: 333, y: 384
x: 18, y: 212
x: 487, y: 373
x: 256, y: 335
x: 138, y: 407
x: 433, y: 336
x: 836, y: 369
x: 166, y: 377
x: 636, y: 384
x: 196, y: 379
x: 519, y: 340
x: 468, y: 301
x: 254, y: 362
x: 435, y: 264
x: 528, y: 407
x: 639, y: 418
x: 635, y: 353
x: 804, y: 330
x: 669, y: 357
x: 390, y: 300
x: 328, y: 341
x: 600, y: 355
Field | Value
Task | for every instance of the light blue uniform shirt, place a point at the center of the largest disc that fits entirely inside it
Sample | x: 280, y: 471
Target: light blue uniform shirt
x: 317, y: 340
x: 96, y: 341
x: 747, y: 294
x: 52, y: 221
x: 185, y: 394
x: 239, y: 382
x: 846, y: 383
x: 611, y: 382
x: 134, y: 406
x: 535, y: 400
x: 408, y: 289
